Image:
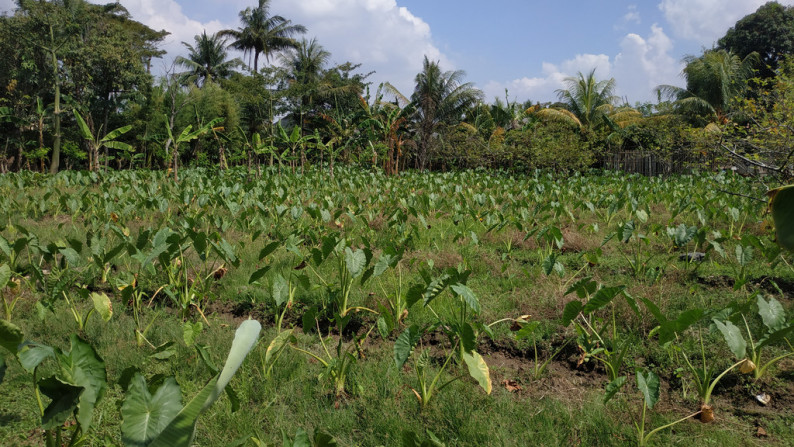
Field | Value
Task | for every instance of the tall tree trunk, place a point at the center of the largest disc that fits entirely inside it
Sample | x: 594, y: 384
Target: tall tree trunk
x: 56, y: 112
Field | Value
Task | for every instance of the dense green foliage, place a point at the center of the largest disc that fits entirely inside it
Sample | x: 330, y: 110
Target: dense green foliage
x: 769, y: 32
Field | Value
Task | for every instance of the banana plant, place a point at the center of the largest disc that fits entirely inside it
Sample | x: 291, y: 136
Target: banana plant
x: 293, y: 141
x: 185, y: 136
x: 95, y: 143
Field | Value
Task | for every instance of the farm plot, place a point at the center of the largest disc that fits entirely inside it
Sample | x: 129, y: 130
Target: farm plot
x: 464, y: 308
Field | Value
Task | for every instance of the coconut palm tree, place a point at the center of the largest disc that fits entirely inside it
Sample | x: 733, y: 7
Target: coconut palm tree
x: 588, y: 102
x: 262, y: 33
x: 713, y: 81
x: 207, y: 59
x: 440, y: 98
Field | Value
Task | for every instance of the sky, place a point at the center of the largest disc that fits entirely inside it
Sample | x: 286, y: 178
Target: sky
x: 526, y: 48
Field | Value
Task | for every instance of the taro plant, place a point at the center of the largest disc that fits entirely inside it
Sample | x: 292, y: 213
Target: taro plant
x: 156, y: 418
x: 599, y: 338
x: 457, y: 326
x: 301, y: 439
x: 102, y: 253
x: 190, y: 281
x: 527, y: 329
x: 705, y: 375
x: 648, y: 385
x: 776, y: 328
x: 351, y: 264
x: 632, y: 233
x: 101, y: 305
x: 9, y: 289
x: 80, y: 382
x: 337, y: 362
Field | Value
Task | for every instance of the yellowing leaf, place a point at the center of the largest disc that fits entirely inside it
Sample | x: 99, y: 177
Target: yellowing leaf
x: 478, y: 369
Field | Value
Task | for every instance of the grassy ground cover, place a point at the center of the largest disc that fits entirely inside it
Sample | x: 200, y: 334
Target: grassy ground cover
x: 396, y: 311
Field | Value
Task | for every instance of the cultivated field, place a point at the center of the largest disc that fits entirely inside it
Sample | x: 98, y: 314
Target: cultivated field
x: 455, y: 309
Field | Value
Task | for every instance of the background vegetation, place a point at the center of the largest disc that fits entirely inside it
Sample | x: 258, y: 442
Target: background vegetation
x: 65, y: 56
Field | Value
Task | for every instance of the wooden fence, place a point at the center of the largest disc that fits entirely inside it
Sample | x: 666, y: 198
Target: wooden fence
x: 652, y: 164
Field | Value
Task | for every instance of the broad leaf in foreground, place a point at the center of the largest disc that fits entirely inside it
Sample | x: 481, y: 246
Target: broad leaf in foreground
x: 145, y: 415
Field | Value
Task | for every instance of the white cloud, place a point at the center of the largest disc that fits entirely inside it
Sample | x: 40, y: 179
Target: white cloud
x: 641, y: 65
x: 632, y: 15
x: 644, y: 63
x: 543, y: 88
x: 705, y: 21
x: 377, y: 33
x: 7, y: 6
x: 168, y: 15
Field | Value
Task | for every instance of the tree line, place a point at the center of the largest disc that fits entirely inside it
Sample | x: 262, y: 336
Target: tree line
x: 79, y: 93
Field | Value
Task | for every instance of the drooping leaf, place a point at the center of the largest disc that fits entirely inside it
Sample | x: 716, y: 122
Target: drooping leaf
x: 548, y: 264
x: 584, y: 287
x: 32, y: 355
x: 64, y: 398
x: 613, y: 387
x: 145, y: 415
x: 322, y: 439
x: 744, y: 254
x: 571, y: 311
x: 11, y: 336
x: 83, y: 367
x: 280, y: 290
x: 268, y: 249
x: 259, y: 274
x: 405, y: 343
x: 102, y: 305
x: 627, y: 230
x: 478, y: 369
x: 468, y: 296
x: 781, y: 202
x: 5, y: 276
x: 277, y: 345
x: 648, y: 384
x: 779, y: 335
x: 190, y: 331
x: 179, y: 432
x: 684, y: 234
x: 383, y: 264
x: 733, y: 336
x: 601, y: 298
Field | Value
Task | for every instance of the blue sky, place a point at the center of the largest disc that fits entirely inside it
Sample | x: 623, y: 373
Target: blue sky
x: 527, y: 47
